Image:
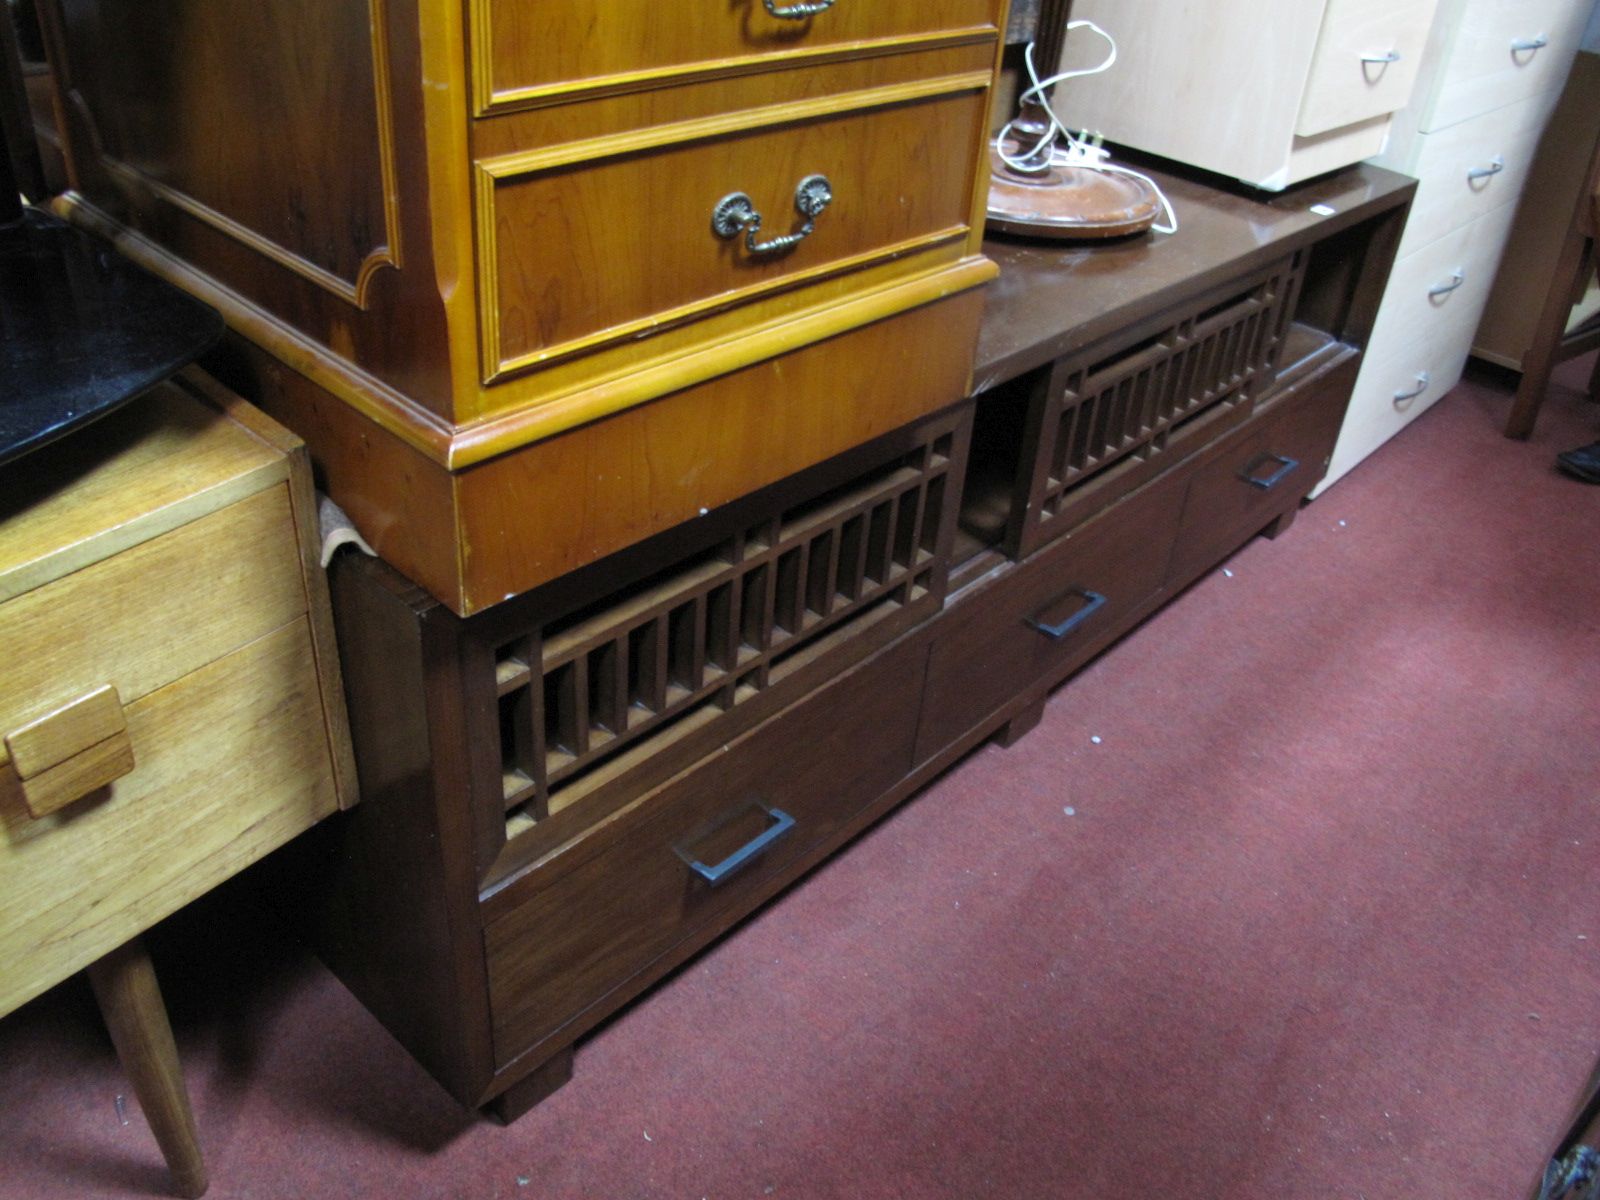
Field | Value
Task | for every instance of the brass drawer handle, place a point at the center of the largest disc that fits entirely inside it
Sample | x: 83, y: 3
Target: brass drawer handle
x: 737, y: 213
x: 798, y: 12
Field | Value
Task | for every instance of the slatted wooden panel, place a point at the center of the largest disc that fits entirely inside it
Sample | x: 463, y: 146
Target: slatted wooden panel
x: 1143, y: 401
x: 718, y: 629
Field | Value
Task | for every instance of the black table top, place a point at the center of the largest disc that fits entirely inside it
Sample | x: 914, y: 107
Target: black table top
x: 82, y: 331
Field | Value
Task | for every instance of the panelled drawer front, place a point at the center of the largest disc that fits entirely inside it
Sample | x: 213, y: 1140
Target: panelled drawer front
x: 992, y: 647
x: 1265, y: 471
x: 598, y: 244
x: 1472, y: 168
x: 1421, y: 342
x: 231, y: 761
x: 1444, y: 285
x: 1397, y: 389
x: 531, y: 51
x: 142, y: 618
x: 1365, y: 63
x: 1496, y: 56
x: 609, y: 913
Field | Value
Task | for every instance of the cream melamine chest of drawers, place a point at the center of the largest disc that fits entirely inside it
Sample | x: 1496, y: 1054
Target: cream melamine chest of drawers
x: 1269, y: 94
x: 1488, y: 83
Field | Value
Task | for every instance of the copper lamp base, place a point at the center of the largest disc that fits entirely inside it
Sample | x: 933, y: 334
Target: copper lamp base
x: 1069, y: 203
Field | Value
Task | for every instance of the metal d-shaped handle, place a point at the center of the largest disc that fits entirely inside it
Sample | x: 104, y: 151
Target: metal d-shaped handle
x: 1401, y: 399
x: 737, y: 213
x: 1093, y: 603
x: 1251, y: 473
x: 797, y: 12
x: 782, y: 823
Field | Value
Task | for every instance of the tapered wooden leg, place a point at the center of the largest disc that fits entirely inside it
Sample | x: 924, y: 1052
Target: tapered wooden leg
x: 130, y: 1001
x: 528, y: 1091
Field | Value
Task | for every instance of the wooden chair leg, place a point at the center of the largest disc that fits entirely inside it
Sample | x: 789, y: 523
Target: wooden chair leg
x: 1540, y: 357
x: 130, y: 1001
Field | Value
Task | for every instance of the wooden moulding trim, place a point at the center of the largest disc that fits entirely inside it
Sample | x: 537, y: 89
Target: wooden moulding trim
x: 491, y: 438
x: 674, y: 317
x: 487, y: 101
x: 465, y: 446
x: 529, y: 162
x: 387, y: 254
x: 390, y: 409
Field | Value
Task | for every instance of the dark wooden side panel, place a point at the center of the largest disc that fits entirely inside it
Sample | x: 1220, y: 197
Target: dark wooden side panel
x: 386, y: 890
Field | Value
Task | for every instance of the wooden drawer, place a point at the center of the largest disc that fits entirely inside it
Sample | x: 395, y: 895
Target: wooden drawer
x: 1471, y: 168
x: 231, y: 760
x: 602, y: 920
x: 1263, y: 472
x: 598, y: 705
x: 991, y: 647
x: 575, y: 261
x: 1113, y: 417
x: 1484, y: 68
x: 533, y: 51
x: 1365, y: 63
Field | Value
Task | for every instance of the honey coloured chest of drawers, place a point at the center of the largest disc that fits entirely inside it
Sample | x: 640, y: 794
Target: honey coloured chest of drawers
x: 536, y: 280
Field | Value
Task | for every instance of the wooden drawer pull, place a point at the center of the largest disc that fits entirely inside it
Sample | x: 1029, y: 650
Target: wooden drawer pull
x: 64, y: 755
x: 736, y: 213
x: 782, y: 823
x: 1094, y: 602
x: 798, y: 12
x: 1286, y: 467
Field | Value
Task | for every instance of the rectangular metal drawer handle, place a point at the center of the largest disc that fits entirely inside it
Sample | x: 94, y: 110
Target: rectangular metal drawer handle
x: 1286, y: 467
x: 714, y: 875
x: 1095, y: 602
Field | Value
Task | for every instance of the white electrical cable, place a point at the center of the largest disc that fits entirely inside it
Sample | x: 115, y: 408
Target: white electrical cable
x: 1047, y: 152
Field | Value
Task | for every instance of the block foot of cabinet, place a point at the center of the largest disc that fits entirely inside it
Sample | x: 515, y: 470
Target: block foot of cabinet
x: 546, y: 1079
x: 130, y: 1001
x: 1019, y: 726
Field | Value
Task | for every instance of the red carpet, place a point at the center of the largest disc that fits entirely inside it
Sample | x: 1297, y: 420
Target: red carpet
x: 1323, y: 922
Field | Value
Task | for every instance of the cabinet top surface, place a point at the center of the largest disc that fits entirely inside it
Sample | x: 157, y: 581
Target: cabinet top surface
x: 160, y: 462
x: 1053, y: 298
